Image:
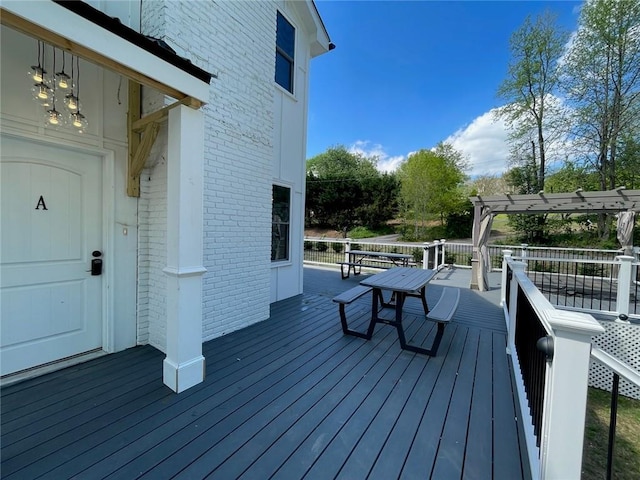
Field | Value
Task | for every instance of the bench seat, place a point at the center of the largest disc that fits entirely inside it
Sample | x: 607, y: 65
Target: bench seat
x: 357, y: 266
x: 446, y: 306
x: 352, y: 294
x: 345, y: 298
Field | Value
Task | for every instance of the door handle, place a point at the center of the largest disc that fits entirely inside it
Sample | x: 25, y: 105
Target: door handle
x: 96, y: 263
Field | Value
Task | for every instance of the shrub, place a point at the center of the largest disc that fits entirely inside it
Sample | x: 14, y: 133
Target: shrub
x: 337, y: 247
x: 308, y: 245
x: 361, y: 232
x: 418, y: 254
x: 591, y: 269
x: 322, y: 247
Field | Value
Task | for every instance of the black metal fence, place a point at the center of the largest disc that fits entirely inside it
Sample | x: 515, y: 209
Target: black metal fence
x: 634, y: 305
x: 533, y: 362
x: 582, y: 284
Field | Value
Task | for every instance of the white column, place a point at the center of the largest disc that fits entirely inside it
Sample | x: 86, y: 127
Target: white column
x: 624, y: 286
x: 566, y: 394
x: 506, y: 256
x: 425, y: 255
x: 347, y: 249
x: 184, y: 365
x: 513, y: 304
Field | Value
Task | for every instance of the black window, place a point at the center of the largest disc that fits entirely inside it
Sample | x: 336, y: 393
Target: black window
x: 280, y: 223
x: 285, y: 49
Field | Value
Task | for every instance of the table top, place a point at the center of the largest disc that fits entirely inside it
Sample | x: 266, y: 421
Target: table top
x: 400, y: 279
x: 380, y: 254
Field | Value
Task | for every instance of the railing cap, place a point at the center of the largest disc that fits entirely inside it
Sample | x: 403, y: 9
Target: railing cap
x: 576, y: 322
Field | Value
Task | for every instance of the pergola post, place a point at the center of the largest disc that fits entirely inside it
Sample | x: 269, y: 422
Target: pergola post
x: 475, y: 259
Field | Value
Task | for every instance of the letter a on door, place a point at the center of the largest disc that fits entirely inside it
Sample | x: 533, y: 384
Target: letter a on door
x: 41, y: 204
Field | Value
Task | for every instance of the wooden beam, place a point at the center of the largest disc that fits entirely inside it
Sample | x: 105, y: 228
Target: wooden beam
x: 133, y: 181
x: 162, y: 114
x: 20, y: 24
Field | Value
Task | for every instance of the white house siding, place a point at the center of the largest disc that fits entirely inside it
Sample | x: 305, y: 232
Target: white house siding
x: 235, y: 41
x: 289, y: 158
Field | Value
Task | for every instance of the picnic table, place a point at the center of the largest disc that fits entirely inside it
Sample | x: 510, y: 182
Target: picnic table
x: 403, y: 282
x: 363, y: 258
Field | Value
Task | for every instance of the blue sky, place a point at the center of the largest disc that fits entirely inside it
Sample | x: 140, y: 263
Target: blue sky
x: 406, y: 75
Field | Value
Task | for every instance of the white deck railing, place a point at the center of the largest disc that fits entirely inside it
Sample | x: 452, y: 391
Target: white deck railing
x: 555, y: 435
x: 616, y: 277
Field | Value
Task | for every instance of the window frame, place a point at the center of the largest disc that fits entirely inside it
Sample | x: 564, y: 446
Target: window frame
x: 290, y: 59
x: 281, y: 222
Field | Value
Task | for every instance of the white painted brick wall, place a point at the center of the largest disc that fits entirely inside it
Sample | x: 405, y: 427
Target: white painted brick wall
x: 152, y: 246
x: 235, y: 41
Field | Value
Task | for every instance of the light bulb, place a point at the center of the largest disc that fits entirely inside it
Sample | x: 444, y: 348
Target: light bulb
x: 79, y: 121
x: 42, y: 93
x: 54, y: 118
x: 71, y: 101
x: 37, y: 73
x: 63, y: 80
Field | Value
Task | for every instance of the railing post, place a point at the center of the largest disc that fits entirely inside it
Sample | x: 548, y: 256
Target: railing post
x: 566, y: 394
x: 523, y: 251
x: 624, y: 286
x: 513, y: 303
x: 442, y: 241
x: 347, y: 249
x: 506, y: 256
x: 425, y: 255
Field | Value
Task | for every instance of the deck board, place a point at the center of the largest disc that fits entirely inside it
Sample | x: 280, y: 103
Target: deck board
x: 479, y: 434
x: 290, y: 397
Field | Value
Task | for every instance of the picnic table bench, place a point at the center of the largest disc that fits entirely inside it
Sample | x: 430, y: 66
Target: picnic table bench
x: 370, y: 259
x: 402, y: 282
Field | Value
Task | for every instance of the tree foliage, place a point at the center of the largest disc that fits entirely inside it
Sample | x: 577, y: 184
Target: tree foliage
x: 345, y: 189
x: 528, y: 90
x: 431, y: 182
x: 602, y: 83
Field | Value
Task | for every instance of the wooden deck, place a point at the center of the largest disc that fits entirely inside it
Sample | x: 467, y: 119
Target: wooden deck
x: 290, y: 397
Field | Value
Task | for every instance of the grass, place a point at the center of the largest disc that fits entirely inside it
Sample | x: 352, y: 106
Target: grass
x: 626, y: 463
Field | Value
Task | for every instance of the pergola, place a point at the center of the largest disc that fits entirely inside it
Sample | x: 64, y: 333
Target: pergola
x: 621, y: 201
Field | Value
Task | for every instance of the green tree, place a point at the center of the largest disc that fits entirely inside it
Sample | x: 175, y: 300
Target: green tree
x: 572, y: 177
x: 431, y: 182
x: 523, y: 180
x: 629, y: 164
x: 528, y: 90
x: 345, y: 189
x: 602, y: 85
x: 380, y: 199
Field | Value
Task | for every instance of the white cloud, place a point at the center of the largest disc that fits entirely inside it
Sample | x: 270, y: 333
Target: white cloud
x: 385, y: 162
x: 484, y: 143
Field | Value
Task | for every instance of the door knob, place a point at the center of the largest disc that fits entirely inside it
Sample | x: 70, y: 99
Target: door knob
x: 96, y: 263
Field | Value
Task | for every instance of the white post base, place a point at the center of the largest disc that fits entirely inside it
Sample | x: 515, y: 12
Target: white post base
x: 180, y: 377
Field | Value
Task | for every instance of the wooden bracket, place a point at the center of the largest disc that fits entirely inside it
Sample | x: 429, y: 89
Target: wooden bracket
x: 133, y: 180
x: 142, y: 133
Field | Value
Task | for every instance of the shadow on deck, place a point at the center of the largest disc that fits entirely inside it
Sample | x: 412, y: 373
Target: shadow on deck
x: 290, y: 397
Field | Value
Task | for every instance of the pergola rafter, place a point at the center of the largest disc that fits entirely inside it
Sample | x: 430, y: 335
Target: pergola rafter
x: 611, y: 201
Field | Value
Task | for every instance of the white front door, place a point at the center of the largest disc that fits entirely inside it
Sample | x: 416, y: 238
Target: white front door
x: 50, y: 225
